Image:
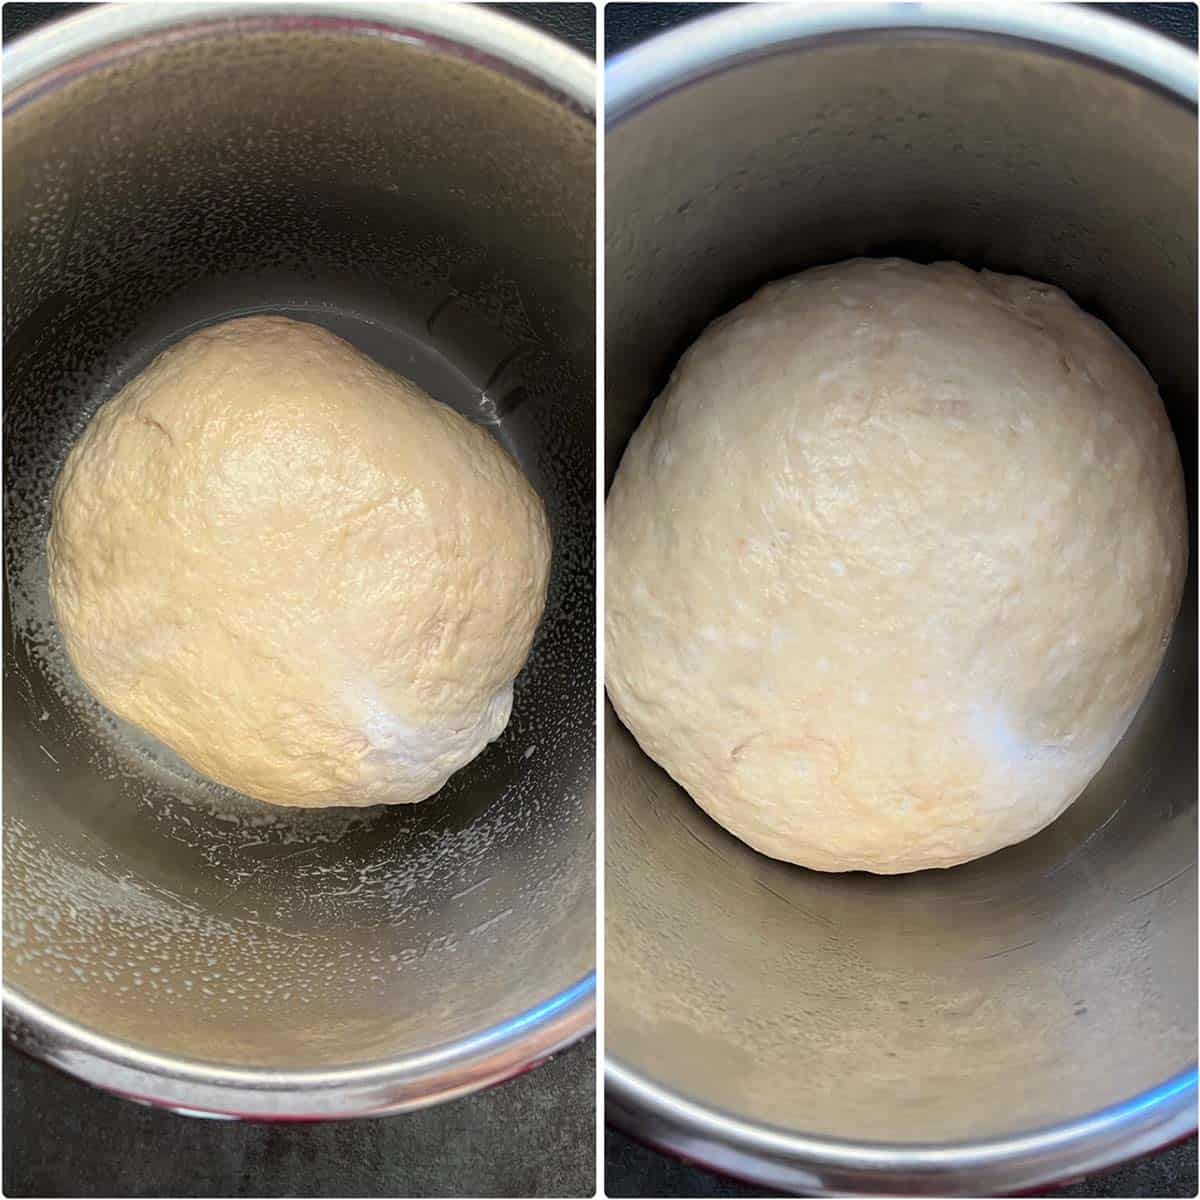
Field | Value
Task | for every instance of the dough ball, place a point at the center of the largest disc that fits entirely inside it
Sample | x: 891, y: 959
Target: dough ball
x: 892, y: 561
x: 309, y: 579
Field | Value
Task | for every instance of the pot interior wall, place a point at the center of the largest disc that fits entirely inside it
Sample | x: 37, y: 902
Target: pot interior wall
x: 1056, y: 977
x: 440, y: 215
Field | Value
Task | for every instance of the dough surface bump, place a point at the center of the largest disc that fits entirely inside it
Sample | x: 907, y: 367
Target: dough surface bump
x: 297, y: 570
x: 891, y: 563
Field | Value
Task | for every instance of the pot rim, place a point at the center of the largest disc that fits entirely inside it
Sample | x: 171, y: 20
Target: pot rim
x: 653, y: 69
x: 770, y: 1155
x: 46, y: 58
x: 197, y: 1088
x: 41, y: 62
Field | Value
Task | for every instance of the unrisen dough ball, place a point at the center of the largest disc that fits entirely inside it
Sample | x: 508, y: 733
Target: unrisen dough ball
x: 891, y: 563
x: 305, y: 576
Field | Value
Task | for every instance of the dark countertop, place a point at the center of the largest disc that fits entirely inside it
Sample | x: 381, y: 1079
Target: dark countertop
x: 631, y: 1169
x: 532, y: 1136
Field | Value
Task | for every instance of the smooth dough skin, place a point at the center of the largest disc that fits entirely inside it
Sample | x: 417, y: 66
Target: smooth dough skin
x: 892, y: 562
x: 309, y: 579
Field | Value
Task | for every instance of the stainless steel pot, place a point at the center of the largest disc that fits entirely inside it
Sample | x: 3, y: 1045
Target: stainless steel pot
x: 1031, y: 1015
x: 421, y: 180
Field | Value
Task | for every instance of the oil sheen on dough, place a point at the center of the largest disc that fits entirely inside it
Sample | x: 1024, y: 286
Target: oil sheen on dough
x: 309, y: 579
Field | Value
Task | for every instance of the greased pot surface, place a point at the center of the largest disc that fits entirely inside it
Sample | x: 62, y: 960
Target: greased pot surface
x: 418, y: 179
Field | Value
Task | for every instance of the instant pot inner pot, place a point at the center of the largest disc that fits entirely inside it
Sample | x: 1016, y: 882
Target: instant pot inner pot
x: 440, y: 216
x: 1056, y: 977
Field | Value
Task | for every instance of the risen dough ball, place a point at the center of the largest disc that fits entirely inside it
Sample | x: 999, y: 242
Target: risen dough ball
x: 305, y: 576
x: 891, y: 563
